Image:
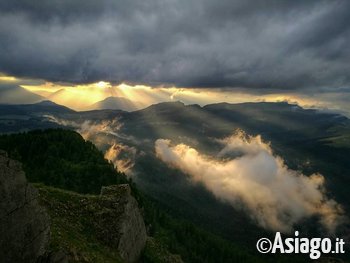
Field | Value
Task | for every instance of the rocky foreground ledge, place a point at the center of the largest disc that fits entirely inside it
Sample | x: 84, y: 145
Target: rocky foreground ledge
x: 83, y: 228
x: 24, y: 224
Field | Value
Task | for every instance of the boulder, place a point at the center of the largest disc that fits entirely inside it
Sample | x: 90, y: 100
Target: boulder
x: 24, y: 224
x: 121, y: 223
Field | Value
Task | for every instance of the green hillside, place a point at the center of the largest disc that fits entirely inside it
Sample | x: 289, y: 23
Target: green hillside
x: 72, y: 228
x: 61, y: 158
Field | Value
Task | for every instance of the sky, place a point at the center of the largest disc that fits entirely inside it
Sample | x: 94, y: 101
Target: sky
x: 79, y: 52
x: 187, y: 50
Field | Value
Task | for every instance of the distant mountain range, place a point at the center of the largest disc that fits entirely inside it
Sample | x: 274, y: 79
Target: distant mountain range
x: 42, y: 107
x: 14, y: 94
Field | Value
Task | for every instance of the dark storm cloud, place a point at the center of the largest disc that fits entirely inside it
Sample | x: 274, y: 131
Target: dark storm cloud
x: 252, y: 44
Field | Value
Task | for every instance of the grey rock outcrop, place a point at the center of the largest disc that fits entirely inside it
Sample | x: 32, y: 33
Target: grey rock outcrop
x: 114, y: 217
x: 24, y: 224
x: 128, y: 232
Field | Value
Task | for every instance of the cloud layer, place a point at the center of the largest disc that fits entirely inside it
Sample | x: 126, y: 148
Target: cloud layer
x: 247, y: 174
x: 201, y: 43
x: 122, y: 156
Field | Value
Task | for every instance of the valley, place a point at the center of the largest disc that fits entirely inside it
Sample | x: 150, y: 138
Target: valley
x: 303, y: 138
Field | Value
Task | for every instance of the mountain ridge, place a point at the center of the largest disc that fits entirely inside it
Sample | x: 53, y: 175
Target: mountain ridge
x: 114, y: 103
x: 15, y: 95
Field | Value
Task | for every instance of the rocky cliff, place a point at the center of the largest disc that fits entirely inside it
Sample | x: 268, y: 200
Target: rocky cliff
x: 53, y: 225
x: 24, y: 224
x: 90, y: 228
x: 125, y: 231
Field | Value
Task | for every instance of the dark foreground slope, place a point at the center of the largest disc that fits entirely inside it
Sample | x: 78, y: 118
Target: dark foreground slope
x: 56, y: 226
x: 24, y: 224
x: 77, y: 228
x: 95, y: 228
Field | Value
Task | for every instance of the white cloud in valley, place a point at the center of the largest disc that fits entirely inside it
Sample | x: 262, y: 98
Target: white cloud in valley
x: 247, y: 172
x: 121, y: 155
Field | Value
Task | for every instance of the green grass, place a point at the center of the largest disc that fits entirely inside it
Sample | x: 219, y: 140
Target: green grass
x: 75, y: 229
x: 156, y: 252
x: 72, y: 226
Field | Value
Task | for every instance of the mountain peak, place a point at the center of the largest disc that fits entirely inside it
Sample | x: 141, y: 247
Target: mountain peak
x: 114, y: 103
x: 168, y: 104
x: 114, y: 98
x: 14, y: 94
x: 47, y: 103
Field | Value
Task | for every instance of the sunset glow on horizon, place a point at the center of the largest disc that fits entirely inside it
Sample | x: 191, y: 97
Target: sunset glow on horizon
x: 80, y: 97
x: 84, y: 96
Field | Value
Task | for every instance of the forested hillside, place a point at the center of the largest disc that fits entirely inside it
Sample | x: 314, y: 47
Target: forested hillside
x: 61, y: 158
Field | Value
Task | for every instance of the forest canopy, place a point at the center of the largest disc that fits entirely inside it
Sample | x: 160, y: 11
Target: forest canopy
x: 61, y: 158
